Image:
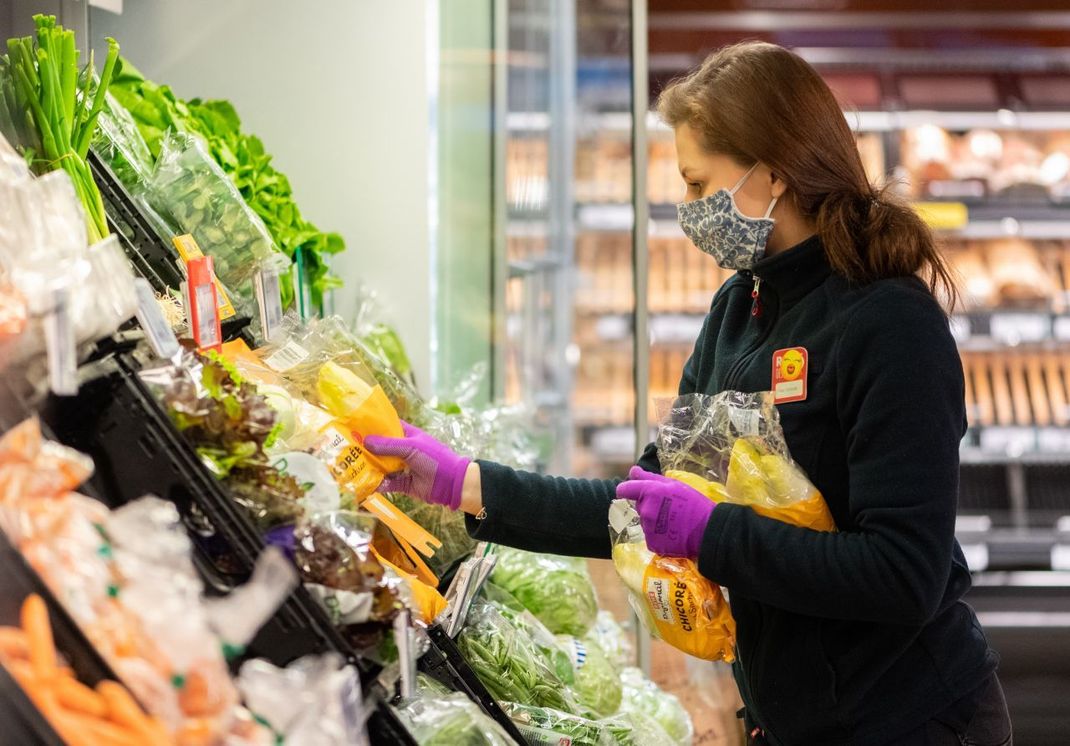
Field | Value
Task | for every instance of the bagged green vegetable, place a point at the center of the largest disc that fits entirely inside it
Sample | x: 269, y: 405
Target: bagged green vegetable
x: 611, y: 638
x: 450, y: 720
x: 508, y: 662
x: 595, y: 680
x: 557, y: 590
x: 190, y: 192
x: 641, y: 697
x: 543, y: 726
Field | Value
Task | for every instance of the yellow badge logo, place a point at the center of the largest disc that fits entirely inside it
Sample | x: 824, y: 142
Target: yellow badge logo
x: 791, y: 365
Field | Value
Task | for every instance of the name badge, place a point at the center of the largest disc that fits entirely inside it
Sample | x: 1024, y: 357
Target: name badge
x: 790, y: 368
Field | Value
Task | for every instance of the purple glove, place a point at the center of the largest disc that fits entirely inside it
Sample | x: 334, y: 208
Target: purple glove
x: 673, y: 515
x: 435, y: 474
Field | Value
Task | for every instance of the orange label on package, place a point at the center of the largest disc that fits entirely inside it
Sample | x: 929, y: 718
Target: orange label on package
x: 790, y: 369
x: 687, y: 610
x: 346, y: 460
x: 188, y: 249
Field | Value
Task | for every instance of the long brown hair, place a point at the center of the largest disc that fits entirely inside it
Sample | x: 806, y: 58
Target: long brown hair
x: 758, y: 102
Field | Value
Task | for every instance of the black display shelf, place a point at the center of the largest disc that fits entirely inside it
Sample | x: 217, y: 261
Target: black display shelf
x: 444, y: 663
x: 22, y: 722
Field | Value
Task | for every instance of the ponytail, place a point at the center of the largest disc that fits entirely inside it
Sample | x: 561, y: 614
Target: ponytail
x: 873, y: 234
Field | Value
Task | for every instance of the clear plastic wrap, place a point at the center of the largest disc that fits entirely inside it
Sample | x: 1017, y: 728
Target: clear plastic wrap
x: 193, y: 195
x: 127, y: 578
x: 333, y: 552
x: 595, y: 680
x: 611, y: 638
x: 119, y: 144
x: 450, y: 720
x: 509, y: 663
x: 731, y: 448
x: 314, y: 701
x: 641, y: 697
x: 544, y: 726
x: 557, y: 590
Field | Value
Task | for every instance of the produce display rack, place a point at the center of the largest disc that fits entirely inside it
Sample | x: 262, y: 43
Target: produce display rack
x: 150, y: 256
x: 444, y: 663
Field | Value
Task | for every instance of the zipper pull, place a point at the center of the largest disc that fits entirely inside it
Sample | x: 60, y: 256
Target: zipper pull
x: 756, y: 309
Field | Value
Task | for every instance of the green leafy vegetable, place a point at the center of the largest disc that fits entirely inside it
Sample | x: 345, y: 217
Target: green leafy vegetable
x: 508, y: 663
x: 229, y: 425
x: 595, y: 680
x: 557, y: 590
x: 643, y: 698
x: 450, y: 720
x: 155, y: 109
x: 49, y: 115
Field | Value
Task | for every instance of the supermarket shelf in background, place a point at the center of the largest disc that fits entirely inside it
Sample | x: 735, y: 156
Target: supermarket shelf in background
x: 860, y: 121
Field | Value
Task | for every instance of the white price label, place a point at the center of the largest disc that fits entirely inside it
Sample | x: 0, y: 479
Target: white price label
x: 207, y: 333
x: 1015, y: 328
x: 745, y: 421
x: 269, y: 299
x: 1008, y: 441
x: 286, y: 357
x: 1062, y: 328
x: 159, y: 332
x: 960, y: 328
x: 61, y: 345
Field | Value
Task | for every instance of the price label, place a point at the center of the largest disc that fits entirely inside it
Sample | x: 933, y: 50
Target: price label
x: 1062, y: 328
x: 289, y: 355
x: 943, y: 215
x: 1009, y: 441
x: 61, y: 345
x: 269, y: 299
x: 1016, y: 328
x: 1053, y: 439
x: 960, y: 328
x: 188, y: 249
x: 157, y: 330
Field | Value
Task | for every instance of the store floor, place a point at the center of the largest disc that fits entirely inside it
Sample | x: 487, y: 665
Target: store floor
x: 707, y: 690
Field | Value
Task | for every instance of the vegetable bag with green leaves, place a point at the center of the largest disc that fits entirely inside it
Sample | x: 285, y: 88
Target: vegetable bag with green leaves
x: 557, y: 590
x: 49, y: 110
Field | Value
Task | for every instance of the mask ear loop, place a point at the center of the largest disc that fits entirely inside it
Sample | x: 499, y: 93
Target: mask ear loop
x: 742, y: 179
x: 771, y: 206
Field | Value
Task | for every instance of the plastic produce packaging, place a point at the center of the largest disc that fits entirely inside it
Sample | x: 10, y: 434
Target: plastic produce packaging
x: 334, y: 553
x: 595, y: 680
x: 127, y: 579
x: 450, y: 720
x: 544, y: 726
x: 611, y: 638
x: 509, y: 663
x: 189, y: 191
x: 314, y: 701
x: 643, y: 698
x: 557, y: 590
x: 731, y: 448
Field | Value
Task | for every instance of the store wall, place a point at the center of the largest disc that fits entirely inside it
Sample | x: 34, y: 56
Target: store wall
x: 337, y: 90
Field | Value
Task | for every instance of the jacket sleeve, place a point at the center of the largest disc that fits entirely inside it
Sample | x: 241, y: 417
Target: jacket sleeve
x: 552, y: 514
x: 541, y: 513
x: 900, y: 401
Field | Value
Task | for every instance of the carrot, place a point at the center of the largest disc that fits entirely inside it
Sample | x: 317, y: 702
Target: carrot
x: 123, y: 709
x: 104, y: 732
x: 196, y: 732
x: 39, y: 635
x: 74, y: 695
x: 13, y: 644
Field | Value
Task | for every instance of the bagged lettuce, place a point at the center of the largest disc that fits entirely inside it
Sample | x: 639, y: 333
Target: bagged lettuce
x: 450, y: 720
x: 544, y: 726
x: 595, y: 680
x: 557, y: 590
x: 611, y: 638
x: 642, y: 698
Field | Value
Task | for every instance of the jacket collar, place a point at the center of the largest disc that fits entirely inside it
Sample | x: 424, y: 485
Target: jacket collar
x: 793, y: 273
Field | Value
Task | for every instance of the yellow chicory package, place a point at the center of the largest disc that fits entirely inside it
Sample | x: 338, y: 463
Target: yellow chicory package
x: 731, y: 448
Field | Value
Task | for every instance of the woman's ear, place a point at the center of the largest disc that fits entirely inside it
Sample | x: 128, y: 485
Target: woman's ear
x: 777, y: 185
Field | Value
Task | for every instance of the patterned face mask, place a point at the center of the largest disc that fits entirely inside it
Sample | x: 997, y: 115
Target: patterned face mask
x: 717, y: 227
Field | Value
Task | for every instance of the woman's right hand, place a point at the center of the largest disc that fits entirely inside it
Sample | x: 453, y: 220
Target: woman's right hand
x: 434, y: 473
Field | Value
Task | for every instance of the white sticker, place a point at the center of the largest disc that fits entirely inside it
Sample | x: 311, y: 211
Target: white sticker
x: 744, y: 420
x: 286, y: 357
x: 61, y: 345
x: 1015, y: 328
x: 658, y: 599
x: 207, y: 334
x: 342, y: 607
x: 269, y: 300
x: 159, y: 332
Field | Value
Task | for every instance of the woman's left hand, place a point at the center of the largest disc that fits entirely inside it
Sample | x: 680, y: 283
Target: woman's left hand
x: 673, y: 515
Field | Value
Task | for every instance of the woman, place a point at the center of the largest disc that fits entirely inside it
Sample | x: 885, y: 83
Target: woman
x: 854, y: 637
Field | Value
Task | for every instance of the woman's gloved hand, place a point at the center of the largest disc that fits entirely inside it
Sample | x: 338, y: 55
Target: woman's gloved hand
x: 673, y: 515
x: 435, y: 474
